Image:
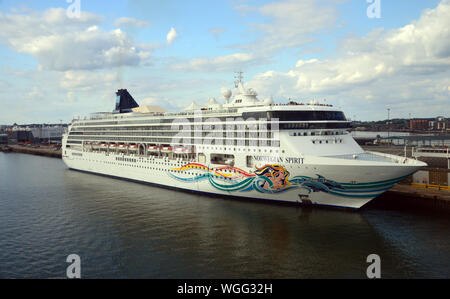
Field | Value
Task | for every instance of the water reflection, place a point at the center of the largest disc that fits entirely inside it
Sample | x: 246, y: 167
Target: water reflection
x: 122, y: 229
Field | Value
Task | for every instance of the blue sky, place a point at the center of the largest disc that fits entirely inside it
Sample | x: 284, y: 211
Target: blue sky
x: 57, y: 67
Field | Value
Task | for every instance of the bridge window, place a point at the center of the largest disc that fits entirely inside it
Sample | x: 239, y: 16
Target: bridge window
x: 307, y: 115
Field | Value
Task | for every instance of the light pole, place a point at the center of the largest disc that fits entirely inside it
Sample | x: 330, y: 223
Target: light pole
x: 389, y: 126
x: 410, y: 124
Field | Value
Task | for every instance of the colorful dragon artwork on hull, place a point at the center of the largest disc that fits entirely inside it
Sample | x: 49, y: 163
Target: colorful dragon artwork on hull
x: 274, y: 178
x: 267, y: 179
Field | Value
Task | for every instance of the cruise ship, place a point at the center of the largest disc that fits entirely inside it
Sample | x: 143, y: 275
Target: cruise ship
x: 301, y: 153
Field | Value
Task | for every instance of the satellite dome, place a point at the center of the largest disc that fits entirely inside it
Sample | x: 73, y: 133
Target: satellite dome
x: 226, y: 93
x: 269, y: 102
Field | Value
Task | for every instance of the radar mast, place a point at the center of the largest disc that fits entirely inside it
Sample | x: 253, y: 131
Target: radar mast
x: 239, y: 78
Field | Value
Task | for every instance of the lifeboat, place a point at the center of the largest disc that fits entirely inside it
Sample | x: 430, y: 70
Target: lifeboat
x: 167, y: 149
x: 133, y: 147
x: 113, y: 145
x: 181, y: 150
x: 153, y: 148
x: 122, y: 146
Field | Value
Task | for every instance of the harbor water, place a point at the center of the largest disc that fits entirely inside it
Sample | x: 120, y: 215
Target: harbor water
x: 122, y: 229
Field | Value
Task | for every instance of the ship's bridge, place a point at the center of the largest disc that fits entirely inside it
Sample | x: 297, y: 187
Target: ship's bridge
x: 299, y: 116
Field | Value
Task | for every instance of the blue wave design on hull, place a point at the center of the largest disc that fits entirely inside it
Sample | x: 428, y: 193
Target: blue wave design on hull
x: 311, y: 185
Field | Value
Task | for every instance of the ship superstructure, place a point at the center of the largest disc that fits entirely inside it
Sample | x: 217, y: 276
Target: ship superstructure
x: 299, y: 153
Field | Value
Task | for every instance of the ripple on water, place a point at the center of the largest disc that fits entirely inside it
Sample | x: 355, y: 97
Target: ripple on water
x: 127, y: 230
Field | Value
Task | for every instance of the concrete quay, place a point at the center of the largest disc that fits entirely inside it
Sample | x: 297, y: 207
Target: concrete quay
x: 39, y: 151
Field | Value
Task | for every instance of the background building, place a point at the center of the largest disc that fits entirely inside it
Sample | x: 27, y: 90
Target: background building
x: 3, y: 138
x: 437, y: 124
x: 48, y: 132
x: 419, y: 124
x: 36, y: 133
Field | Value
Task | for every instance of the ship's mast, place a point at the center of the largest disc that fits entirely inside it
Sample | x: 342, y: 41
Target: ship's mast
x: 239, y: 78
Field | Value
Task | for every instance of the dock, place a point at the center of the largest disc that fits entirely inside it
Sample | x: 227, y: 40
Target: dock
x: 431, y: 195
x: 46, y: 151
x: 409, y: 197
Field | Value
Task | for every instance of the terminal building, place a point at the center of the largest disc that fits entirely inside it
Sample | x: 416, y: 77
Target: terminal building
x: 53, y: 133
x: 36, y: 134
x: 437, y: 124
x: 18, y: 136
x: 3, y: 138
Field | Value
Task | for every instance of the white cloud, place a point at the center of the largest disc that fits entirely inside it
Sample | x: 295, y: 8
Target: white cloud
x: 172, y: 35
x: 157, y: 100
x: 217, y: 31
x: 130, y: 22
x: 290, y: 23
x: 88, y: 81
x: 403, y: 68
x: 303, y: 62
x: 62, y: 43
x: 218, y: 64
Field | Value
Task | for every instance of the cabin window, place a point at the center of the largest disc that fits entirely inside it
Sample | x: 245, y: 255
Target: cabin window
x: 222, y: 159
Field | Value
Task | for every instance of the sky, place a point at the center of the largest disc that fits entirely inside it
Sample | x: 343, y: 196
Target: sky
x: 62, y: 59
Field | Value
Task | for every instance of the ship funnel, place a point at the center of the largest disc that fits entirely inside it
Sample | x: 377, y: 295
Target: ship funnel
x: 124, y: 102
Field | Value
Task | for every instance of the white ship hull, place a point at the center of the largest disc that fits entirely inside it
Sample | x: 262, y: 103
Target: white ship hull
x: 345, y: 186
x: 296, y: 153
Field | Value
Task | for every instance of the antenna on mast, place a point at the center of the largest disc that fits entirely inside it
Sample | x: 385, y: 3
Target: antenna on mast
x: 239, y: 78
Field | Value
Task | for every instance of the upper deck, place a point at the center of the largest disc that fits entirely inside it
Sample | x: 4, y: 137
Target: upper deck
x: 282, y: 113
x: 240, y: 103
